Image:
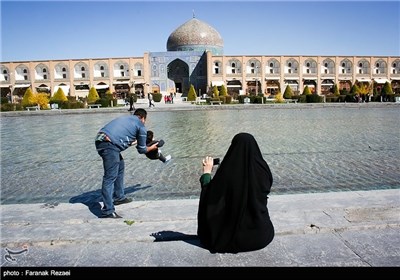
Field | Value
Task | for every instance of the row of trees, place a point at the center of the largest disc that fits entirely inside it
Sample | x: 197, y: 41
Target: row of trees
x: 43, y: 100
x: 358, y: 89
x: 215, y: 93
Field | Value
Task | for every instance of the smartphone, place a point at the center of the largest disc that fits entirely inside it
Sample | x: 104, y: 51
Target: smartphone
x: 216, y: 161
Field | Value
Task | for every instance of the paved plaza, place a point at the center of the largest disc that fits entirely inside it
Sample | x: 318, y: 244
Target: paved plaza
x: 333, y: 229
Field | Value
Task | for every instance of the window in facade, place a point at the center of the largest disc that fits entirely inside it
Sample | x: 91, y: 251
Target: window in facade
x: 217, y: 67
x: 380, y: 67
x: 363, y: 67
x: 291, y: 66
x: 346, y: 67
x: 310, y: 66
x: 396, y: 67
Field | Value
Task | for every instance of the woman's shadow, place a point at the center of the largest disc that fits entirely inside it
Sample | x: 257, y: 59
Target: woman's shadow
x: 169, y: 235
x: 92, y: 199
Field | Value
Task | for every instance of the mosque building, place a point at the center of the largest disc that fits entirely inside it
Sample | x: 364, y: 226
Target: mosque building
x: 194, y: 56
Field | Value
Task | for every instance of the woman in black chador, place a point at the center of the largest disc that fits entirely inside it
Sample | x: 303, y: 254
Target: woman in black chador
x: 233, y: 215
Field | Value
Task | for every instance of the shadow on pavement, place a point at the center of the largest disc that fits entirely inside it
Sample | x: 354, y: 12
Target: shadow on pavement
x: 92, y: 199
x: 168, y: 235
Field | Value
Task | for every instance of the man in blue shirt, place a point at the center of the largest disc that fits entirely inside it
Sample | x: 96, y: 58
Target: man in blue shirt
x: 111, y: 140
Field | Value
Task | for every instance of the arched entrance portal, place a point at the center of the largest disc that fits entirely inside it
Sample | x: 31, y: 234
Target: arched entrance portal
x: 178, y: 72
x: 234, y: 88
x: 312, y: 85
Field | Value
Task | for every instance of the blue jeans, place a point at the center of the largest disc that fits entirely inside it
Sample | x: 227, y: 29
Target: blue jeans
x: 112, y: 188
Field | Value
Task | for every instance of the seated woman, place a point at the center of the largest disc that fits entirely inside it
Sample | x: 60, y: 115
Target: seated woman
x: 232, y: 214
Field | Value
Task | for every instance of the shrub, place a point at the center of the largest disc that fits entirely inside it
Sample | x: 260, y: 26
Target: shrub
x: 306, y: 90
x: 29, y: 98
x: 93, y: 96
x: 288, y: 93
x: 223, y: 91
x: 336, y: 90
x: 215, y: 92
x: 7, y: 107
x: 354, y: 89
x: 258, y: 99
x: 387, y: 89
x: 279, y: 97
x: 241, y: 98
x: 157, y: 97
x: 60, y: 96
x: 42, y: 99
x: 331, y: 98
x: 296, y: 97
x: 191, y: 94
x: 313, y: 98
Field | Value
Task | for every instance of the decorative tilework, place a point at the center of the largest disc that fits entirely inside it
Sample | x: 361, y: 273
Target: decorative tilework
x: 195, y: 35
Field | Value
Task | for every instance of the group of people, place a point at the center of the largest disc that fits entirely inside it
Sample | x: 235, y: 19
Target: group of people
x: 232, y: 214
x: 169, y: 98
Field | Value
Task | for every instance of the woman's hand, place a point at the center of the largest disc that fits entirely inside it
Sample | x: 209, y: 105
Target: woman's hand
x: 208, y: 163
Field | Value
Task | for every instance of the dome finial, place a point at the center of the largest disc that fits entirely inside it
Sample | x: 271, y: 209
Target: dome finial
x: 193, y: 14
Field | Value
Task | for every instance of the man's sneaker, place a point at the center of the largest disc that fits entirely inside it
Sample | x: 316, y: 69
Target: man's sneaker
x: 167, y: 158
x: 113, y: 215
x: 126, y: 200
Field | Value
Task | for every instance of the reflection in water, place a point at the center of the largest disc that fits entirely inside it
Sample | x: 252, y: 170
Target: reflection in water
x: 52, y: 158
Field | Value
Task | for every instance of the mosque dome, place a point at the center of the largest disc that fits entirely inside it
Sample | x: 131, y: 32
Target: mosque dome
x: 195, y: 35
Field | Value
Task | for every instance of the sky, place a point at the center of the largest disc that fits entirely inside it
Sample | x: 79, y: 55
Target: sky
x: 59, y: 30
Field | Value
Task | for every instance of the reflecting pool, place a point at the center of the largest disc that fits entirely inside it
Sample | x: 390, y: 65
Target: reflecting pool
x: 52, y: 158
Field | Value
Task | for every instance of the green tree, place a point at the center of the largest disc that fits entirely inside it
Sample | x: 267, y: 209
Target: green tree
x: 288, y: 93
x: 354, y: 89
x: 42, y: 99
x: 306, y: 90
x: 215, y: 92
x: 279, y: 97
x: 387, y: 89
x: 93, y: 96
x: 109, y: 94
x: 336, y: 90
x: 363, y: 88
x: 223, y: 91
x: 192, y: 94
x: 29, y: 98
x: 59, y: 96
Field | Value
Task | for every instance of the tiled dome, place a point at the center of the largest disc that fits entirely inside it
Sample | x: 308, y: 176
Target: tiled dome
x: 195, y: 35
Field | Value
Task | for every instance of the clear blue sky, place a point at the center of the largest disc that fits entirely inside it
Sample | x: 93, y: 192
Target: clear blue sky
x: 34, y: 30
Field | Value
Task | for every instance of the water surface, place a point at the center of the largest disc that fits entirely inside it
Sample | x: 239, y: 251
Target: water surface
x: 52, y: 158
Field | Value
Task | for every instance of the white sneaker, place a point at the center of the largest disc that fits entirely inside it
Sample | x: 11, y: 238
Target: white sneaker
x: 167, y: 158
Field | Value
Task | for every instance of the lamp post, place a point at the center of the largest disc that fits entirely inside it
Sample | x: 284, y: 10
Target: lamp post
x: 256, y: 80
x: 256, y: 86
x: 11, y: 94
